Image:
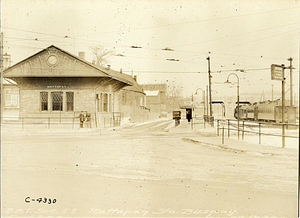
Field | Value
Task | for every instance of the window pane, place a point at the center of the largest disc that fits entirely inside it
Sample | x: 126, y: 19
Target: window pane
x: 70, y: 101
x: 44, y: 101
x: 57, y: 101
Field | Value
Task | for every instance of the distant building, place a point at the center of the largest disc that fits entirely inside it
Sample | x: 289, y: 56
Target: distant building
x: 132, y: 102
x: 156, y: 99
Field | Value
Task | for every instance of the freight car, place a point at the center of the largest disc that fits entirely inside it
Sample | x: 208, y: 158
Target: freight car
x: 268, y: 111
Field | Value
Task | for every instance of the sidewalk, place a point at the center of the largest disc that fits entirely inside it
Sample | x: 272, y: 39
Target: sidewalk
x: 208, y: 136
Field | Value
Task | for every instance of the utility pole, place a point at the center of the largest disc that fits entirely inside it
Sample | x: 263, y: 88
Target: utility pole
x: 291, y: 82
x: 272, y: 92
x: 2, y: 61
x: 207, y: 100
x: 209, y: 86
x: 283, y: 107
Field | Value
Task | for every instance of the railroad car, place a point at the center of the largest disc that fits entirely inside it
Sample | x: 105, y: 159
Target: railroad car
x: 268, y: 111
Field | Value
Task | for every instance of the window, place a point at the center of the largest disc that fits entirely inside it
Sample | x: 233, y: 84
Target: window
x: 57, y: 101
x: 110, y: 103
x: 70, y: 101
x: 123, y: 98
x: 99, y: 102
x: 44, y: 101
x: 105, y: 102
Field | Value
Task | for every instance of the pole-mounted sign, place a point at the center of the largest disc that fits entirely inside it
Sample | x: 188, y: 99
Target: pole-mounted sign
x: 277, y: 72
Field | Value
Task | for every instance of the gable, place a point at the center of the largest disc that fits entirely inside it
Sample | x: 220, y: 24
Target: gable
x: 53, y: 62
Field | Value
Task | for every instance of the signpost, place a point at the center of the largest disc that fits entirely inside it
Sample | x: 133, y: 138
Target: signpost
x: 277, y: 73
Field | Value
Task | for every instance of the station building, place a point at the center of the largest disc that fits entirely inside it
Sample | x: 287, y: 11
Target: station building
x: 132, y: 102
x: 55, y: 83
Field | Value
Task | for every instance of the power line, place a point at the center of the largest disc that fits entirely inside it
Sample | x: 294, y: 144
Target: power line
x: 28, y: 31
x: 256, y: 40
x: 237, y: 35
x: 181, y: 23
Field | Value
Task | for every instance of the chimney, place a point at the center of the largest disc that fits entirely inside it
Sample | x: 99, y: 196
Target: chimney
x: 6, y: 61
x: 108, y: 67
x: 135, y: 77
x: 121, y: 70
x: 81, y: 55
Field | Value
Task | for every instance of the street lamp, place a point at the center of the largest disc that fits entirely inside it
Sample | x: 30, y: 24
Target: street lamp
x: 238, y: 100
x: 203, y: 99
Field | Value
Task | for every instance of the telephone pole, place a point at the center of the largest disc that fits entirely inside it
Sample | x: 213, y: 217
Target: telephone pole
x: 272, y: 92
x: 2, y: 61
x: 283, y: 106
x: 291, y: 82
x: 209, y: 86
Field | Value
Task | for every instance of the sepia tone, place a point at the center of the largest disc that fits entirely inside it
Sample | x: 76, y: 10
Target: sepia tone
x: 149, y: 108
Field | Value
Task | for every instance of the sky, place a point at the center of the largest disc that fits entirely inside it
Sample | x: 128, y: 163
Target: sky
x: 243, y: 37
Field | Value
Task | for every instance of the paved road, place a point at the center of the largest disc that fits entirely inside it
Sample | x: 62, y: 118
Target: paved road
x: 151, y: 169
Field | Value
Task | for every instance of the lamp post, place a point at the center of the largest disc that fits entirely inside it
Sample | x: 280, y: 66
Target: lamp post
x: 238, y: 100
x: 203, y: 100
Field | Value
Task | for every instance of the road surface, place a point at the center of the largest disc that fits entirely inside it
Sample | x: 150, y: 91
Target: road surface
x: 148, y: 170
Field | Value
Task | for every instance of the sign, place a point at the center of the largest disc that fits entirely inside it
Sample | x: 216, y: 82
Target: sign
x: 56, y: 87
x: 176, y: 114
x: 277, y: 72
x: 188, y: 103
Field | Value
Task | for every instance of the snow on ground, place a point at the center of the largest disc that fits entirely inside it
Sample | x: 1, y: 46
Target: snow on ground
x: 138, y: 167
x: 252, y: 135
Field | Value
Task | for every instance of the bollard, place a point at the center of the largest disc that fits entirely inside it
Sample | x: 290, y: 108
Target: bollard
x: 283, y: 136
x: 228, y: 129
x: 243, y: 130
x: 259, y: 132
x: 223, y: 135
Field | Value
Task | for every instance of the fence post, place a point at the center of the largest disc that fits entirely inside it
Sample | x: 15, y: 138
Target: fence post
x: 283, y: 135
x: 96, y: 120
x: 243, y: 130
x: 22, y: 122
x: 259, y: 132
x: 228, y: 129
x: 223, y: 135
x: 49, y: 123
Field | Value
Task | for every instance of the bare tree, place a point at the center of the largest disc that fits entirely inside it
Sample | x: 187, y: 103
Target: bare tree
x: 174, y: 97
x: 100, y: 54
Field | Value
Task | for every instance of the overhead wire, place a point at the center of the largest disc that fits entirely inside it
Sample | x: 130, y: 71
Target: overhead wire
x: 188, y: 22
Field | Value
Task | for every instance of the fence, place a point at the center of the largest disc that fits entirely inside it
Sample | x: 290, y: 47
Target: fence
x: 253, y: 127
x: 198, y: 120
x: 46, y: 122
x: 204, y: 120
x: 61, y: 122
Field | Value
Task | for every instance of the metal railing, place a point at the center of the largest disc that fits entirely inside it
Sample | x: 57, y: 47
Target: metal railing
x: 246, y: 126
x: 42, y: 121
